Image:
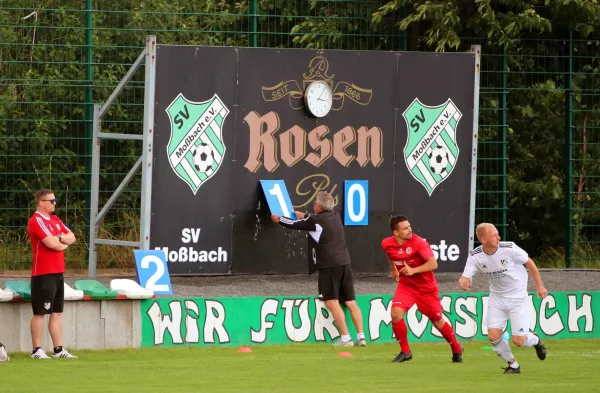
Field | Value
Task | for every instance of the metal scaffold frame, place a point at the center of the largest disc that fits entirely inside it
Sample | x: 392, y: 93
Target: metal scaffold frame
x: 148, y: 58
x: 476, y: 49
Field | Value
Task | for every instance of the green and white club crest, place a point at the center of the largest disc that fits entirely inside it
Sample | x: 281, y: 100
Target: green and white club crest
x: 196, y: 148
x: 431, y: 150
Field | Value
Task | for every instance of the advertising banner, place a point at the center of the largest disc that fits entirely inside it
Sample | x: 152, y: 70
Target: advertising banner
x: 291, y: 319
x: 229, y: 118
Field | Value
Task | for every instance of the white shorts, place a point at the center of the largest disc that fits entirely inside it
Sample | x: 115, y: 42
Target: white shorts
x: 500, y: 310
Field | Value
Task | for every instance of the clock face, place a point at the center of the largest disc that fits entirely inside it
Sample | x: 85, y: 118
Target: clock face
x: 318, y: 98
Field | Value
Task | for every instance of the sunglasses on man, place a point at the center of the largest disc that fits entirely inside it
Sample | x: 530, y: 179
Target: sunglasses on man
x: 53, y: 201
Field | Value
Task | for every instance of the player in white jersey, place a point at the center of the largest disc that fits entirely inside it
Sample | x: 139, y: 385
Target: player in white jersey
x: 506, y: 267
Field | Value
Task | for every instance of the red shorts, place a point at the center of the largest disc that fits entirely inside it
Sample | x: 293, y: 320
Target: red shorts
x: 429, y: 304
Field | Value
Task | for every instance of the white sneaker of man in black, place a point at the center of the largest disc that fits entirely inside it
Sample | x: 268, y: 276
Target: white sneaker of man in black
x: 343, y: 343
x: 3, y: 355
x: 60, y: 352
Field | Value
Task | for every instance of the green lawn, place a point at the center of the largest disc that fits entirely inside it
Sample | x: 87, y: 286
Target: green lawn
x: 571, y: 366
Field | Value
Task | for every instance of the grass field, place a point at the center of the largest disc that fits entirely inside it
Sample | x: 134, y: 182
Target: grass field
x: 571, y: 366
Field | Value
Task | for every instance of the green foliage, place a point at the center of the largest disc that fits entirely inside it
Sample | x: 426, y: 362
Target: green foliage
x: 535, y: 181
x: 503, y: 22
x: 343, y: 25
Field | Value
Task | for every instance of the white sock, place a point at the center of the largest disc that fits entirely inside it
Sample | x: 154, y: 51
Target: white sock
x: 531, y: 340
x: 503, y: 350
x: 346, y: 338
x: 514, y: 364
x: 360, y: 336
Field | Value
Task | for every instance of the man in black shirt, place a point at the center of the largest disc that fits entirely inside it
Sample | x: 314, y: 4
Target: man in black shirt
x: 329, y: 254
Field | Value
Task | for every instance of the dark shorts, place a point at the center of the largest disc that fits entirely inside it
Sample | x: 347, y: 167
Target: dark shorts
x: 47, y: 294
x: 335, y: 283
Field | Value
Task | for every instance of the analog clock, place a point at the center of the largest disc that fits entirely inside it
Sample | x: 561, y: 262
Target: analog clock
x: 318, y: 98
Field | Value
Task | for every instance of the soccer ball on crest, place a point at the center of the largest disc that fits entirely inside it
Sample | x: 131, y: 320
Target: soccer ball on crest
x: 438, y: 160
x: 203, y: 157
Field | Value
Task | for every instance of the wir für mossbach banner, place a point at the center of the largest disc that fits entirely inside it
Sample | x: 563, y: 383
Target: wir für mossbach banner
x: 293, y: 319
x: 227, y: 118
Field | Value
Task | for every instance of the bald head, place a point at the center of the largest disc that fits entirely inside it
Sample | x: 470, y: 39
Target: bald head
x: 487, y: 234
x: 482, y: 229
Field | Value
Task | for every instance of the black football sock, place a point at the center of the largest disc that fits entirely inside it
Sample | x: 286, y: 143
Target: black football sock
x: 58, y: 349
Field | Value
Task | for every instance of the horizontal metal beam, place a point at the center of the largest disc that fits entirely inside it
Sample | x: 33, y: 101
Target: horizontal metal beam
x: 110, y: 135
x: 118, y: 191
x: 122, y: 84
x: 117, y: 242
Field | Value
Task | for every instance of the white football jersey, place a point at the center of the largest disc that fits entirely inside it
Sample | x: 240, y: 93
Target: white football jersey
x: 504, y: 269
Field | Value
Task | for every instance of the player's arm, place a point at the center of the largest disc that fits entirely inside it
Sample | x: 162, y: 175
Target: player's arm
x: 392, y: 266
x: 394, y: 271
x: 535, y: 274
x: 465, y: 281
x: 305, y: 224
x: 521, y: 257
x: 430, y: 262
x: 39, y: 229
x: 67, y: 237
x: 53, y: 243
x: 429, y: 265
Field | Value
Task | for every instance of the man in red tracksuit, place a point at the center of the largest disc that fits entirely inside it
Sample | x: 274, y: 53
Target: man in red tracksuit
x: 49, y: 238
x: 412, y: 263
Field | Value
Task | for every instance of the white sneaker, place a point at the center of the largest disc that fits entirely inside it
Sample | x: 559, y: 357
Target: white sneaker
x: 361, y: 342
x: 340, y: 343
x: 40, y: 354
x: 3, y: 355
x: 64, y: 354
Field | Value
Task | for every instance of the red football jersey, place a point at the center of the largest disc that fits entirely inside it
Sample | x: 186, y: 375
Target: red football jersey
x: 45, y: 260
x: 414, y: 252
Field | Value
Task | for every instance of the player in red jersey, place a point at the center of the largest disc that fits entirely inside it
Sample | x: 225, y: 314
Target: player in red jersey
x: 49, y: 238
x: 412, y: 263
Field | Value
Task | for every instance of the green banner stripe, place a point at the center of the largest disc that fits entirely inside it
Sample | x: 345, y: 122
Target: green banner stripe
x: 185, y: 176
x: 215, y: 140
x: 235, y: 321
x: 453, y: 123
x: 190, y: 158
x: 450, y: 143
x: 417, y: 172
